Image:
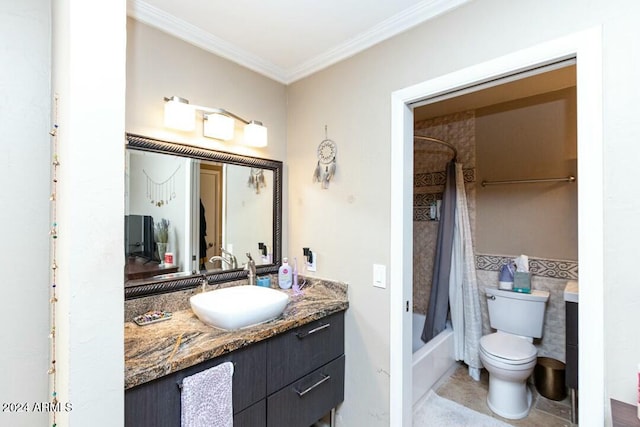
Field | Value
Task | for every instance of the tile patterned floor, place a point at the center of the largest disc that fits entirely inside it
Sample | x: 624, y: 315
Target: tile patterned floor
x: 461, y: 388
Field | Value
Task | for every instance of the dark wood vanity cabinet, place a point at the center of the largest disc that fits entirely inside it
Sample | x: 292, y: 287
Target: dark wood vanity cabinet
x: 305, y: 372
x: 157, y: 403
x: 291, y: 380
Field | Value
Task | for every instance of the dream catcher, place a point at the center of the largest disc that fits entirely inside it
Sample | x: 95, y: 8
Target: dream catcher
x: 326, y: 167
x: 256, y: 179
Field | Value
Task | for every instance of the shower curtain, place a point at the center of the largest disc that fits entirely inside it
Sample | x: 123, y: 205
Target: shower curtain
x: 436, y: 319
x: 463, y: 286
x: 454, y: 282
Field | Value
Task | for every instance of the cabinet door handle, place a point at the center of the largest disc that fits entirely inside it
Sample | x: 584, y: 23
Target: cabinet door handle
x: 312, y: 331
x: 307, y: 390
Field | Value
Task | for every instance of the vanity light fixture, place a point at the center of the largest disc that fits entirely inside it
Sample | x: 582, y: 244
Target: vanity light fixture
x: 218, y: 126
x: 178, y: 114
x: 217, y: 122
x: 255, y: 134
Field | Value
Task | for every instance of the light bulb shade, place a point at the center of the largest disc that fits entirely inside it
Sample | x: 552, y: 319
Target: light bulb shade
x: 218, y: 126
x: 178, y: 114
x: 255, y: 134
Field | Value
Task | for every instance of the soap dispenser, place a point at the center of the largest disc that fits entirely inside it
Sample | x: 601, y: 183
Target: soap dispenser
x: 284, y: 275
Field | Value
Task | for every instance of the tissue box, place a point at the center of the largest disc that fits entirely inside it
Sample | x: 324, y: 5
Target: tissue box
x: 522, y: 282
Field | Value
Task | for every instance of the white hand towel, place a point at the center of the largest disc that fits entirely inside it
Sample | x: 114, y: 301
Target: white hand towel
x: 207, y: 399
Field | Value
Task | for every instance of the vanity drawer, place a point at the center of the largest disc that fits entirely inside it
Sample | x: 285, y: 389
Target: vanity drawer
x: 254, y: 416
x: 249, y: 381
x: 305, y: 401
x: 158, y: 403
x: 304, y: 349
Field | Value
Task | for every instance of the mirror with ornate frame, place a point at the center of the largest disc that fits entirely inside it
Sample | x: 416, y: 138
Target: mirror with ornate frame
x: 192, y: 212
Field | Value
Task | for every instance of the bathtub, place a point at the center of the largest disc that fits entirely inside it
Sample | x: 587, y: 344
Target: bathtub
x: 431, y: 361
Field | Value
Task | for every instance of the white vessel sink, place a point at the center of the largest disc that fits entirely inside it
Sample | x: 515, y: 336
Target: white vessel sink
x: 238, y: 306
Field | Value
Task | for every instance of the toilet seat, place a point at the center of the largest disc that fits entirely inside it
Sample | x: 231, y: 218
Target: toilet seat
x: 508, y: 349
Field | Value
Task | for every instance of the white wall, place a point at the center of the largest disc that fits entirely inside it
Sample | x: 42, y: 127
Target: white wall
x: 89, y: 77
x: 349, y: 225
x: 533, y: 137
x: 249, y: 215
x: 160, y: 168
x: 159, y: 65
x: 24, y: 171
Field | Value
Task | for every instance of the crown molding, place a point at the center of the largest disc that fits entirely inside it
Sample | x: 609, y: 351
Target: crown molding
x: 421, y: 12
x: 388, y: 28
x: 150, y: 15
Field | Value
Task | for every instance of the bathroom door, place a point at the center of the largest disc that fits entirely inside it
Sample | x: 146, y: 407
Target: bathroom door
x: 211, y: 197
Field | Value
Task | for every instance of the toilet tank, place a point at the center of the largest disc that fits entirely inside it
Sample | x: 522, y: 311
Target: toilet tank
x: 517, y: 313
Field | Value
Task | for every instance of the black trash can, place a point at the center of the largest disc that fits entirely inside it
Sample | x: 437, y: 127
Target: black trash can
x: 548, y: 377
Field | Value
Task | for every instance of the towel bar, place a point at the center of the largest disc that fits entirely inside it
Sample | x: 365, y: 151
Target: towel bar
x: 179, y: 382
x: 570, y: 178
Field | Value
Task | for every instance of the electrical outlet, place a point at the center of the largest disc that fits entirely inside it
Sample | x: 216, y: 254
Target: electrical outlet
x: 379, y: 276
x: 311, y: 266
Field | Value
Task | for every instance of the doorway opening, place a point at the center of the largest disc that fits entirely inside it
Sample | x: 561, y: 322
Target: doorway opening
x: 211, y: 187
x: 515, y: 142
x: 585, y: 47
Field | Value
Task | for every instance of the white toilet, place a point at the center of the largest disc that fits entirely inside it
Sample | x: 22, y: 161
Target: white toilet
x: 509, y: 354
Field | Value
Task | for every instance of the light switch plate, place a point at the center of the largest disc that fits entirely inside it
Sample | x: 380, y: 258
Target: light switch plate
x: 379, y: 276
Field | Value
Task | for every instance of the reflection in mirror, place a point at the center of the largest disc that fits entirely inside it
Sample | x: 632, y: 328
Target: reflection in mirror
x: 235, y: 217
x: 190, y: 211
x: 156, y: 193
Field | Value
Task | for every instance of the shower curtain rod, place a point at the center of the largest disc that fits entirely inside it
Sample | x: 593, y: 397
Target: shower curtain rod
x: 439, y: 141
x: 530, y: 181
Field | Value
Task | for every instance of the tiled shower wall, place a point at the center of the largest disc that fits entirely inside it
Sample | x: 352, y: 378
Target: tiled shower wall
x: 430, y: 161
x: 429, y: 165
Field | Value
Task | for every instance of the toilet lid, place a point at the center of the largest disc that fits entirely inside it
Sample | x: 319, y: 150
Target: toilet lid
x: 508, y: 347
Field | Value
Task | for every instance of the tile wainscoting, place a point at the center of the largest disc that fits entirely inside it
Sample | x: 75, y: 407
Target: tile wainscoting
x: 549, y: 268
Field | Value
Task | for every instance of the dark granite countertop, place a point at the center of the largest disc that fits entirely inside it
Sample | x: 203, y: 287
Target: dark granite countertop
x: 158, y: 349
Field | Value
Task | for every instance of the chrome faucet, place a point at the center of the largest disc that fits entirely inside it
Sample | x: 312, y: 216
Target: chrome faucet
x: 204, y: 282
x: 251, y: 268
x: 232, y: 258
x: 221, y: 258
x: 226, y: 258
